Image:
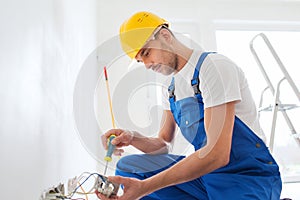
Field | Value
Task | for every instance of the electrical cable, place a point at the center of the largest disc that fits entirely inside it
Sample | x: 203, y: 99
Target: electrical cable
x: 87, y: 198
x: 69, y: 196
x: 99, y: 175
x: 91, y: 190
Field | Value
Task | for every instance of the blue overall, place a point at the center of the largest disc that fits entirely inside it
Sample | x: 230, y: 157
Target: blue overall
x: 251, y: 173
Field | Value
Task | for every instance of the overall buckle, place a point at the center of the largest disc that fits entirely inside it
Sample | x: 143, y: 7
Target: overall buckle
x: 195, y: 84
x: 171, y: 91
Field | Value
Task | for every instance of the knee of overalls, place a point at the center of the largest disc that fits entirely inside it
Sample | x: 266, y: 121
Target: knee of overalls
x: 145, y: 165
x: 129, y: 164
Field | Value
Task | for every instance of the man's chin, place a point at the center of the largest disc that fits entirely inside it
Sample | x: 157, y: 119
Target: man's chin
x: 166, y: 72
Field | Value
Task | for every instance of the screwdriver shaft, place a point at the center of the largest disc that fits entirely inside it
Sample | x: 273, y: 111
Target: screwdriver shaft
x: 105, y: 169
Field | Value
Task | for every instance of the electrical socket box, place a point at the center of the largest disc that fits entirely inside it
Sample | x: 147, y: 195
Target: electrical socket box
x: 105, y: 187
x: 53, y: 193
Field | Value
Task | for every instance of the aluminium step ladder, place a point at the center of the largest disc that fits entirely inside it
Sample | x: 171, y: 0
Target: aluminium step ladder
x: 276, y: 105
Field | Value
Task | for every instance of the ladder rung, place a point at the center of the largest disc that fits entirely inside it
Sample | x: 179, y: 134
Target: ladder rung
x: 281, y: 107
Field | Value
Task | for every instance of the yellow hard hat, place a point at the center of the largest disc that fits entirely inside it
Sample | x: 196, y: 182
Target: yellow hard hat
x: 135, y: 31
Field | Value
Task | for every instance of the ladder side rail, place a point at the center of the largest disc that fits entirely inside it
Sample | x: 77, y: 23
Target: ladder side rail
x: 275, y: 110
x: 284, y: 113
x: 271, y: 87
x: 274, y: 119
x: 280, y: 64
x: 290, y: 81
x: 262, y: 100
x: 290, y: 125
x: 262, y: 69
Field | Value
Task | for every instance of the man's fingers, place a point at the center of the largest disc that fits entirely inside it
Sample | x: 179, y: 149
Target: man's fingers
x: 104, y: 141
x: 124, y: 139
x: 120, y: 140
x: 105, y: 136
x: 103, y: 197
x: 118, y: 152
x: 117, y: 140
x: 113, y: 131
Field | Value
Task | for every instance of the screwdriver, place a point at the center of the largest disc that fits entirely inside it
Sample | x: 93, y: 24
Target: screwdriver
x: 110, y: 151
x: 110, y: 146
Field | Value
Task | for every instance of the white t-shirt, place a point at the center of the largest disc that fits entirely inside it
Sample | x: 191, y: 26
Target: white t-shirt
x: 221, y: 81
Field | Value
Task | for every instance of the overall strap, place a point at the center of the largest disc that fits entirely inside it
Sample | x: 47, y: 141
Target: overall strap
x: 195, y: 81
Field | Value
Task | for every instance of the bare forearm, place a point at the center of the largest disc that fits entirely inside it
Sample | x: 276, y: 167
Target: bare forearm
x: 157, y: 145
x: 219, y: 126
x: 148, y: 145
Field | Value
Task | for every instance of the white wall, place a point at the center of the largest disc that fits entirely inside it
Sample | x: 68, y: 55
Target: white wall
x: 199, y: 14
x: 42, y: 47
x: 43, y: 44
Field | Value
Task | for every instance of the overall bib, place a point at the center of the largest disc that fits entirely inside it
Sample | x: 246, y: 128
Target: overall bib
x: 251, y: 173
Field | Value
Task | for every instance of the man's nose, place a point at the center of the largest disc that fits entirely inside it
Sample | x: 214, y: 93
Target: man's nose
x: 146, y: 62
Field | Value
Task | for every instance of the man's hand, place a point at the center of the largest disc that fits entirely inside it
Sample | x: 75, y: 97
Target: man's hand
x: 133, y: 189
x: 123, y: 138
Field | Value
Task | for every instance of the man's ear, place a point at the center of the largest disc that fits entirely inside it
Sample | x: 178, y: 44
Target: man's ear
x: 166, y: 34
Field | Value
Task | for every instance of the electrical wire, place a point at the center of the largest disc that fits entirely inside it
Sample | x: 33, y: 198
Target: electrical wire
x: 99, y: 175
x: 91, y: 190
x: 69, y: 196
x: 86, y: 194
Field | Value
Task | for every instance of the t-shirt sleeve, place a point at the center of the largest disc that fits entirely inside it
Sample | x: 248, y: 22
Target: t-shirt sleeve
x: 219, y: 81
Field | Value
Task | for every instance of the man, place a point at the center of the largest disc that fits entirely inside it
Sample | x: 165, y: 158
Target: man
x: 210, y: 101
